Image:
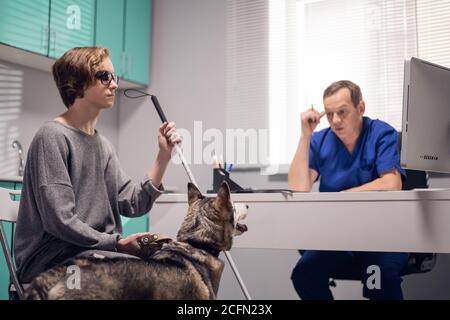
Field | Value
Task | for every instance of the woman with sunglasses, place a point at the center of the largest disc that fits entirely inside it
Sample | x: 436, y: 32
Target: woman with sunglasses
x: 74, y: 189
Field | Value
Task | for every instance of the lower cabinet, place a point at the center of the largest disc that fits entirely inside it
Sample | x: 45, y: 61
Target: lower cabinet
x: 9, y: 230
x: 135, y: 225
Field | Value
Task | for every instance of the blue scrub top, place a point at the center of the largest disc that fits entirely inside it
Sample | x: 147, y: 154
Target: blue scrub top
x: 375, y: 153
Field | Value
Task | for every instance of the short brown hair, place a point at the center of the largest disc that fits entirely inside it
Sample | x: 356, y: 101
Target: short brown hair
x: 355, y: 90
x: 75, y: 71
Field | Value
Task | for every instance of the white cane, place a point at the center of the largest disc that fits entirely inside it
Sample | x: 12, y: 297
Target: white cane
x: 192, y: 180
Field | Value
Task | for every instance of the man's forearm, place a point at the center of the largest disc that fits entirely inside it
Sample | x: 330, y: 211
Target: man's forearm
x: 388, y: 182
x: 299, y: 177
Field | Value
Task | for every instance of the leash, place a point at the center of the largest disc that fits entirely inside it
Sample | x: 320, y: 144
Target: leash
x: 191, y: 179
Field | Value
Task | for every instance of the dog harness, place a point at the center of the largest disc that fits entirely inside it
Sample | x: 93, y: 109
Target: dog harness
x: 150, y: 244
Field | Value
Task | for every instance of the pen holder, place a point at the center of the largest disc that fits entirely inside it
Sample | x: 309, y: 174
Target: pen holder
x: 220, y: 175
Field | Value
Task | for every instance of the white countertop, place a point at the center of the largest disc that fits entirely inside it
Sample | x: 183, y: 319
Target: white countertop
x: 11, y: 179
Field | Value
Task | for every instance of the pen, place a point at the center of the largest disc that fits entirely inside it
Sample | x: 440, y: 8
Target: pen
x: 231, y: 166
x: 311, y: 120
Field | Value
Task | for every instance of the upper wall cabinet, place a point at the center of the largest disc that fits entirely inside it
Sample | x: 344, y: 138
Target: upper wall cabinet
x: 71, y: 25
x: 109, y: 30
x: 124, y: 27
x: 137, y: 39
x: 51, y: 27
x: 24, y: 24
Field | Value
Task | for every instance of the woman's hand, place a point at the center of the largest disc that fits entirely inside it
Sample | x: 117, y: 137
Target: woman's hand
x: 130, y: 244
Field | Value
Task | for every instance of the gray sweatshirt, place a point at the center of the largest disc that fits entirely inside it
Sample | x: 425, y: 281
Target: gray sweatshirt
x: 73, y: 194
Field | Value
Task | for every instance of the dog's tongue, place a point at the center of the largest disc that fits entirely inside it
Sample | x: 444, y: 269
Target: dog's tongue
x: 241, y: 227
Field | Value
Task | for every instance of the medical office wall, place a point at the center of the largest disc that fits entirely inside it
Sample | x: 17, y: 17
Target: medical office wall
x: 47, y: 28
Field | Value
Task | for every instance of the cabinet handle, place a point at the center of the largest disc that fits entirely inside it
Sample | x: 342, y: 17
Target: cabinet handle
x: 53, y: 48
x: 130, y: 66
x: 122, y: 63
x: 44, y: 39
x: 126, y: 66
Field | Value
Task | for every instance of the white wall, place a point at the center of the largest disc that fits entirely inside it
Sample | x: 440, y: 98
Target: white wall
x: 187, y: 75
x: 39, y: 102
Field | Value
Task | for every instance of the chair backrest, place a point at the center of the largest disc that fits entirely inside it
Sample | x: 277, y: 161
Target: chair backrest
x: 8, y: 208
x: 418, y: 262
x: 8, y: 212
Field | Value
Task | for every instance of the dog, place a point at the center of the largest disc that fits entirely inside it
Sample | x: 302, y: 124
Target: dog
x: 187, y: 269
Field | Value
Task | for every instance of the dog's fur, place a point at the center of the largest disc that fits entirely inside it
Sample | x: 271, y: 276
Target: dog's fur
x: 185, y: 269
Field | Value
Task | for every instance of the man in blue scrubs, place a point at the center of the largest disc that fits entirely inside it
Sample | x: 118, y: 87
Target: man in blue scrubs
x: 355, y: 153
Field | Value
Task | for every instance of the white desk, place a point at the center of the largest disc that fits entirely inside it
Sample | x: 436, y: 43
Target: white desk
x: 403, y: 221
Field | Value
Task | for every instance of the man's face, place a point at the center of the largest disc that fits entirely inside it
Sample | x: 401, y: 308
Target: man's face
x: 99, y: 94
x: 345, y: 119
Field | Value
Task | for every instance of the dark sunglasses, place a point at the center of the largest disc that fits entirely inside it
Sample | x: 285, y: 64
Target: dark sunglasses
x: 106, y: 77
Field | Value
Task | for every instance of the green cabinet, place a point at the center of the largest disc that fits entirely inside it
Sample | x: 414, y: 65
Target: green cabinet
x: 9, y: 230
x: 123, y: 26
x: 4, y: 273
x: 51, y: 27
x: 47, y: 27
x: 71, y: 25
x: 109, y: 30
x: 137, y: 40
x: 134, y: 225
x: 24, y: 24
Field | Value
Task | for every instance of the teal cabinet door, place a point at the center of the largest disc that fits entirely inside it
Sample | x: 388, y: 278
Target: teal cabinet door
x: 137, y: 40
x: 109, y: 30
x: 24, y: 24
x: 4, y: 273
x: 134, y: 225
x: 71, y: 25
x: 9, y: 231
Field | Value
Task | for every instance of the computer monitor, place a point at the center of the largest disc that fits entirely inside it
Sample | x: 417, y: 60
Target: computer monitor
x: 426, y: 117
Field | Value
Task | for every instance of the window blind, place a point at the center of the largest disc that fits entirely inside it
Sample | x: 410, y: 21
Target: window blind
x: 282, y: 54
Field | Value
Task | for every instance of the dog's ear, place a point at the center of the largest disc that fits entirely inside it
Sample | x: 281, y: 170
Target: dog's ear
x: 193, y: 193
x: 223, y: 199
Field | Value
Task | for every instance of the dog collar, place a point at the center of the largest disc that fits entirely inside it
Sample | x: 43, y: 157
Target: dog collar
x: 205, y: 247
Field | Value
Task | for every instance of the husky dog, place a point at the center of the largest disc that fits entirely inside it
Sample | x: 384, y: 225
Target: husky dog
x: 188, y: 268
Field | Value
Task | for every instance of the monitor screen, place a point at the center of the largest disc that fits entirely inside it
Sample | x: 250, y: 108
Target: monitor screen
x: 426, y: 117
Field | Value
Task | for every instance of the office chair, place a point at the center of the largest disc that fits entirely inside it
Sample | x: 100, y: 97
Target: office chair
x: 8, y: 213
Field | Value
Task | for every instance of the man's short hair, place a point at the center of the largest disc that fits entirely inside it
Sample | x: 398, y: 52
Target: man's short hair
x: 355, y: 90
x: 75, y: 71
